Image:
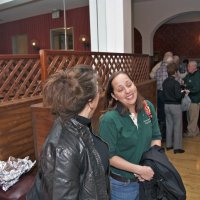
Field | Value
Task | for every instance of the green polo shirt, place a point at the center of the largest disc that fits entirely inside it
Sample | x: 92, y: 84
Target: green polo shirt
x: 191, y: 82
x: 127, y: 140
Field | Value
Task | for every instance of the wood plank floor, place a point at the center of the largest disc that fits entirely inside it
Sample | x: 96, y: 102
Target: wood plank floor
x: 188, y: 165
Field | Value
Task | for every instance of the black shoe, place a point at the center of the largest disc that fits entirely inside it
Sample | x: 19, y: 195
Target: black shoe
x: 179, y: 151
x: 169, y: 148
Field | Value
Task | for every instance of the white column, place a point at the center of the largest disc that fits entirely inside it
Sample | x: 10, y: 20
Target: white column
x: 147, y: 43
x: 111, y: 26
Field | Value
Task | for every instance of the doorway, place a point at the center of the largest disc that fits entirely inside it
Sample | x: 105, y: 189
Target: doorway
x: 20, y: 44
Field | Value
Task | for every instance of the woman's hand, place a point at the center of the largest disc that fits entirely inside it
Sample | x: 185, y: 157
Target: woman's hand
x: 141, y: 172
x: 146, y: 173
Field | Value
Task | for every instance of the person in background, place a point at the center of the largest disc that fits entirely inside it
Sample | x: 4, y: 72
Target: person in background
x: 182, y: 70
x: 178, y: 76
x: 157, y: 66
x: 74, y: 163
x: 192, y: 83
x: 172, y: 100
x: 176, y: 61
x: 160, y: 76
x: 129, y: 127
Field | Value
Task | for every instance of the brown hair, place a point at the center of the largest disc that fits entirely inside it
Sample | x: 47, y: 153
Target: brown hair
x: 171, y: 69
x: 67, y: 92
x: 111, y: 103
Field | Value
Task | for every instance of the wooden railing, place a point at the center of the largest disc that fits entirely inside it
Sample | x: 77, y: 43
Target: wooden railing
x: 20, y: 77
x: 137, y: 66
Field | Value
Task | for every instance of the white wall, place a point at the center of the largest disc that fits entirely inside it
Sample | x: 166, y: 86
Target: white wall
x: 148, y: 16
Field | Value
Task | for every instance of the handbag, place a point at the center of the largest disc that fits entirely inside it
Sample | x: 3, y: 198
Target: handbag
x: 185, y: 103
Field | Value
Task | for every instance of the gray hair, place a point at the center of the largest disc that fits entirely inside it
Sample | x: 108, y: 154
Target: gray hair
x: 193, y: 63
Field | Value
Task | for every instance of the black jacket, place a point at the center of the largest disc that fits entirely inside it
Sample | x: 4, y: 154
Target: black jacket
x: 70, y: 166
x: 166, y: 183
x: 172, y: 91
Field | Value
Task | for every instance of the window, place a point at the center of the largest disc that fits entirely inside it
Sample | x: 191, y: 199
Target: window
x: 58, y: 38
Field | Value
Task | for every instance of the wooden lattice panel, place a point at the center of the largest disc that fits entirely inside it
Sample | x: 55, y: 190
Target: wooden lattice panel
x: 20, y: 77
x: 137, y: 66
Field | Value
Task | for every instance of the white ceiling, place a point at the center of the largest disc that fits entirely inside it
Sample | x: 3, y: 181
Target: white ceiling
x: 20, y: 9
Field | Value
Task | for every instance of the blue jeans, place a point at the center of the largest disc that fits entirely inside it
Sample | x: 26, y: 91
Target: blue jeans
x: 124, y: 191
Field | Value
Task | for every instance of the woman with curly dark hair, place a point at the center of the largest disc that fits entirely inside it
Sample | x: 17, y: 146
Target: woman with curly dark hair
x: 74, y: 162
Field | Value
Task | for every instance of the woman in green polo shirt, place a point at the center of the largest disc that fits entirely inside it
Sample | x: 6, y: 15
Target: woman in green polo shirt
x: 130, y: 127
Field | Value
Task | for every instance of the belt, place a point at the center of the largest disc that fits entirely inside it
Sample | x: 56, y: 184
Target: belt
x: 123, y: 179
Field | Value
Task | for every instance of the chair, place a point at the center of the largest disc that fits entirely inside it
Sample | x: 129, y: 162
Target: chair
x: 20, y: 189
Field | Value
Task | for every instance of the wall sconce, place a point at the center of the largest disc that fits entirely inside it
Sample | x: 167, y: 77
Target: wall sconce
x: 35, y: 45
x: 85, y: 41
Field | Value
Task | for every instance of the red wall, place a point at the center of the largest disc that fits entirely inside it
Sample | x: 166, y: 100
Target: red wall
x: 182, y: 39
x: 38, y: 28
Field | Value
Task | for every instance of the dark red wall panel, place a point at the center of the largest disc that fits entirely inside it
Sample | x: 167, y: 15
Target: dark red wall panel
x: 38, y: 28
x: 137, y: 41
x: 182, y: 39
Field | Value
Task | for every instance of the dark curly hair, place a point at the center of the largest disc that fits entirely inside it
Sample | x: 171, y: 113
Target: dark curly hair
x: 67, y: 92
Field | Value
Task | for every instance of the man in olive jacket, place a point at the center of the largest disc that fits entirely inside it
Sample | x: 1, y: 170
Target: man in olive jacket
x: 192, y: 83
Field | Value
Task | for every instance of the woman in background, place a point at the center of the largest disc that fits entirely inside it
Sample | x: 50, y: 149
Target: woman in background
x: 172, y: 99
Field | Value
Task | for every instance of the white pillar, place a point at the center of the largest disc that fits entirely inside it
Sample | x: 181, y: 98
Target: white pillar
x: 111, y: 26
x: 147, y: 43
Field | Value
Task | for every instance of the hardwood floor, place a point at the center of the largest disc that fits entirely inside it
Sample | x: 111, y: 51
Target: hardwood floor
x: 188, y: 165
